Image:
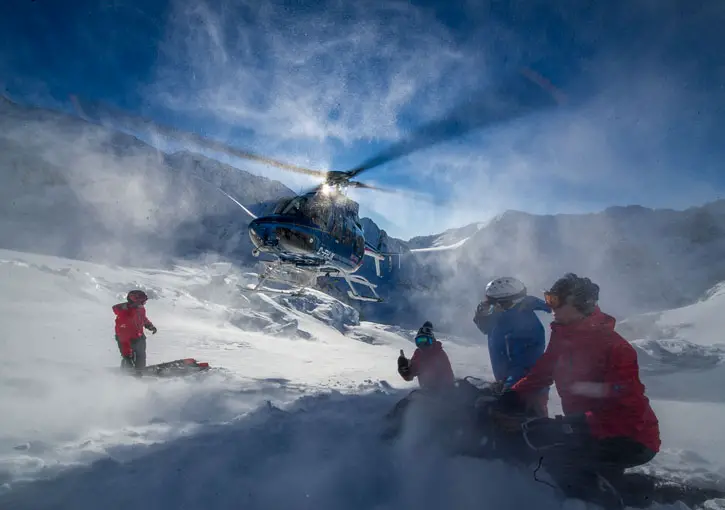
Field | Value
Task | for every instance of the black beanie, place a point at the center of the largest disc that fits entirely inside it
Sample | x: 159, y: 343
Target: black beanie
x: 427, y: 330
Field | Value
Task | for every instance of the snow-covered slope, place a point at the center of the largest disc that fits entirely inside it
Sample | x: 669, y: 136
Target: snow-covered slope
x: 291, y: 421
x: 58, y: 330
x: 682, y: 350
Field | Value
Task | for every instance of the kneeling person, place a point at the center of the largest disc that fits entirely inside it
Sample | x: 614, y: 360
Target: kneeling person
x: 430, y: 364
x: 516, y: 337
x: 608, y: 423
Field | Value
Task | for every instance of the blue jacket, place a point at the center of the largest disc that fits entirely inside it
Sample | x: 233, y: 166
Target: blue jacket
x: 516, y: 338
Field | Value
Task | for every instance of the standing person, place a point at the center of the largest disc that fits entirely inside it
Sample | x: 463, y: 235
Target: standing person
x: 516, y: 336
x: 130, y: 323
x: 608, y: 423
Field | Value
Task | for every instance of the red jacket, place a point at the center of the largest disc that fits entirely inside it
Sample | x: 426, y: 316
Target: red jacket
x: 596, y: 373
x: 130, y: 322
x: 431, y: 366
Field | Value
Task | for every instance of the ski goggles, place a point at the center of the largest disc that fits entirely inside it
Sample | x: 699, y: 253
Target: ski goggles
x: 423, y: 340
x: 553, y: 300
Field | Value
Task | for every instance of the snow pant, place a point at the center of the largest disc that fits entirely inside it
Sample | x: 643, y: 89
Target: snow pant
x: 138, y: 353
x: 589, y: 468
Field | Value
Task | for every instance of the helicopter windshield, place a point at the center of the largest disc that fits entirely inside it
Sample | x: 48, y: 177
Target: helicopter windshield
x: 281, y: 204
x: 317, y: 210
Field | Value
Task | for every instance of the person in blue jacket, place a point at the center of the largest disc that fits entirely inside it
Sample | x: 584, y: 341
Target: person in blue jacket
x: 516, y: 337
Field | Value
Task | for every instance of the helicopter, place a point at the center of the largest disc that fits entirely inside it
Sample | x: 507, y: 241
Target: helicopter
x: 318, y: 232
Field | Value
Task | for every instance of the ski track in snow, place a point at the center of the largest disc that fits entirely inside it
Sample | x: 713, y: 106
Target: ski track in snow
x: 290, y: 422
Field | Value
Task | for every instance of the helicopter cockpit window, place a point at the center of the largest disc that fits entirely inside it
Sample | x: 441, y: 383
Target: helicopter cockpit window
x: 294, y: 207
x: 360, y: 244
x: 338, y: 225
x: 348, y: 236
x: 282, y: 205
x: 319, y: 210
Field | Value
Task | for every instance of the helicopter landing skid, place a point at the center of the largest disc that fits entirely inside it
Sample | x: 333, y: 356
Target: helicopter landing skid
x: 299, y: 277
x: 353, y: 278
x: 289, y: 292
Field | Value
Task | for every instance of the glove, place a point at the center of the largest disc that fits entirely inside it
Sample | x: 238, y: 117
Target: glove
x: 152, y: 328
x: 402, y: 361
x: 403, y: 364
x: 483, y: 309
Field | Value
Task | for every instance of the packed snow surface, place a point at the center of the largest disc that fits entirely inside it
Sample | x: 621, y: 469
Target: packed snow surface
x: 291, y: 419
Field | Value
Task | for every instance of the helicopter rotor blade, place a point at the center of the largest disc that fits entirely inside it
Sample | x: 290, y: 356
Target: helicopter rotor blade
x: 525, y: 92
x: 362, y: 185
x: 186, y: 136
x: 401, y: 192
x: 250, y: 213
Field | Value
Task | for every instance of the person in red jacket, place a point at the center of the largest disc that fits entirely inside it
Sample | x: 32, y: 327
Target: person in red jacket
x: 429, y: 363
x: 608, y: 423
x: 130, y: 323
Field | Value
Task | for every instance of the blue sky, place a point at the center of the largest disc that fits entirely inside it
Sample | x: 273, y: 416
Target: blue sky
x: 327, y: 84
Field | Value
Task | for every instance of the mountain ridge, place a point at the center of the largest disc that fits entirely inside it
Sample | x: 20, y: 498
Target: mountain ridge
x: 74, y: 188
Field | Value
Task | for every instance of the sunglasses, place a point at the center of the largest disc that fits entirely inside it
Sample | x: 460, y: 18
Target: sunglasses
x: 423, y: 340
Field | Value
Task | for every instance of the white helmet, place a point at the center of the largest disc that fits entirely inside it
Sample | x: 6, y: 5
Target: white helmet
x: 506, y: 288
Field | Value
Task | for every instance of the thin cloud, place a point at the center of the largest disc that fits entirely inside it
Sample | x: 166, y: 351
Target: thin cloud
x: 312, y: 83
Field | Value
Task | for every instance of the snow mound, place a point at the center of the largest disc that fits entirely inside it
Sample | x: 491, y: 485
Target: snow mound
x: 700, y: 323
x: 324, y: 308
x: 665, y: 356
x: 322, y: 451
x: 271, y: 312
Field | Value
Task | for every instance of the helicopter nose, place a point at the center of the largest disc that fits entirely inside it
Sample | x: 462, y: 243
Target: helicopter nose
x: 262, y: 235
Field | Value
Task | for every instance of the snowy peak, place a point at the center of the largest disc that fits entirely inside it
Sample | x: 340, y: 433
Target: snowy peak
x: 451, y: 238
x: 662, y: 356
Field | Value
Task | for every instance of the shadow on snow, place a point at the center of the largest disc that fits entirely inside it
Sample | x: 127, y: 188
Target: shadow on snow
x: 322, y: 452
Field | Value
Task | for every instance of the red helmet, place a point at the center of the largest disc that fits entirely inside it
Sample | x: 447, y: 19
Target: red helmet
x: 138, y: 297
